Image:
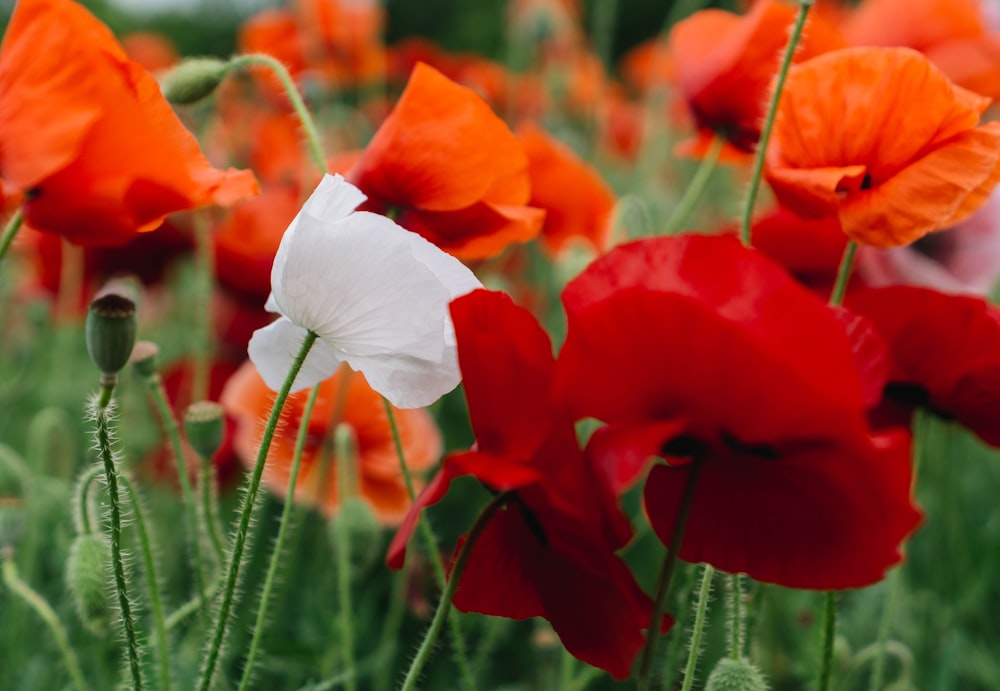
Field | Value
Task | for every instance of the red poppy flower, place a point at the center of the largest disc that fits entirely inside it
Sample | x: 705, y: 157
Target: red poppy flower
x: 944, y: 350
x: 87, y: 136
x: 450, y: 168
x: 725, y: 64
x: 576, y: 200
x: 550, y: 553
x: 379, y: 480
x: 840, y: 148
x: 699, y: 350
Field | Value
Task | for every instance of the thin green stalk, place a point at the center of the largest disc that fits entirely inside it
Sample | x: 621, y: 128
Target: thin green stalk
x: 155, y: 385
x: 444, y: 606
x: 885, y: 624
x: 696, y: 188
x: 102, y: 414
x: 829, y: 635
x: 346, y: 459
x: 431, y: 542
x: 210, y: 508
x: 42, y: 608
x: 391, y: 625
x: 680, y: 626
x: 737, y: 632
x: 155, y: 602
x: 294, y: 97
x: 10, y: 232
x: 83, y: 523
x: 772, y: 108
x: 694, y: 651
x: 279, y: 542
x: 844, y: 273
x: 204, y: 262
x: 249, y: 501
x: 192, y: 606
x: 666, y: 575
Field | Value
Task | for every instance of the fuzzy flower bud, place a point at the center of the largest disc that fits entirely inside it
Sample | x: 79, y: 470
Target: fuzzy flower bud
x: 193, y: 80
x: 204, y: 426
x: 735, y: 675
x: 87, y: 578
x: 110, y: 331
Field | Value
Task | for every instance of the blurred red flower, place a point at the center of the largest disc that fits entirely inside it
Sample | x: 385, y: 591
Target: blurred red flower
x: 550, y: 553
x: 696, y: 349
x: 87, y: 136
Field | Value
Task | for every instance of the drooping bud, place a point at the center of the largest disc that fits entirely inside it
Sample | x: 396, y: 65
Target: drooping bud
x: 144, y: 357
x: 735, y: 675
x: 87, y: 577
x: 204, y: 425
x: 193, y: 80
x: 110, y: 331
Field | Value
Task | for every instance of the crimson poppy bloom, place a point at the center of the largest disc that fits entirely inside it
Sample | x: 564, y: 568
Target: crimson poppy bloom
x: 550, y: 553
x: 379, y: 479
x: 944, y: 353
x: 724, y: 66
x: 839, y: 147
x: 701, y: 351
x: 87, y: 136
x: 450, y: 169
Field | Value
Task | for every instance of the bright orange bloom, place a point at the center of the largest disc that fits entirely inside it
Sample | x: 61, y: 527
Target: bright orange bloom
x: 450, y: 168
x: 725, y: 64
x: 379, y: 480
x: 87, y: 136
x: 576, y: 199
x: 953, y: 34
x: 153, y: 51
x: 841, y: 147
x: 343, y: 38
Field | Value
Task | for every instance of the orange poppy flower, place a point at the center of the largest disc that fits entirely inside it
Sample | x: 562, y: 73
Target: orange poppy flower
x: 953, y: 34
x: 576, y: 199
x: 725, y: 64
x: 86, y: 134
x: 450, y: 168
x: 379, y: 480
x: 343, y: 39
x: 840, y: 146
x: 153, y: 51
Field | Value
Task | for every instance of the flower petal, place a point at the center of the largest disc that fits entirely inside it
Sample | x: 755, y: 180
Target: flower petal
x: 273, y: 349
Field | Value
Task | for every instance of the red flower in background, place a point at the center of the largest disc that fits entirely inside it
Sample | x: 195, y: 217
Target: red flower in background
x: 87, y: 136
x: 944, y: 350
x: 379, y: 479
x: 450, y: 169
x: 550, y: 553
x: 699, y: 350
x: 725, y: 64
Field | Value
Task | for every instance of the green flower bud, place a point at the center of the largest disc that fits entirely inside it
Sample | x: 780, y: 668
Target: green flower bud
x: 144, y: 356
x: 204, y: 425
x: 363, y: 532
x: 735, y: 675
x: 110, y: 331
x: 193, y: 80
x: 87, y: 579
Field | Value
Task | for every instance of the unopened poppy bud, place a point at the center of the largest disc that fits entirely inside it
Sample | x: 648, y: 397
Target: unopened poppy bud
x: 735, y: 675
x: 203, y: 426
x: 11, y: 521
x: 110, y: 331
x: 144, y: 356
x: 193, y: 80
x: 357, y: 521
x: 87, y: 581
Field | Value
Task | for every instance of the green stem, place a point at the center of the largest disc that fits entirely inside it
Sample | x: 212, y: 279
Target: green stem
x: 83, y: 523
x: 345, y: 459
x: 444, y: 606
x: 172, y: 432
x: 685, y: 606
x: 249, y: 500
x: 829, y: 634
x: 45, y: 611
x: 878, y: 663
x: 666, y: 575
x: 772, y: 108
x: 192, y: 606
x: 10, y: 232
x: 114, y: 499
x: 694, y: 650
x: 210, y: 508
x: 738, y: 633
x: 155, y: 601
x: 205, y: 286
x: 427, y: 534
x: 844, y: 273
x: 391, y: 625
x: 696, y: 188
x: 279, y: 542
x: 294, y: 97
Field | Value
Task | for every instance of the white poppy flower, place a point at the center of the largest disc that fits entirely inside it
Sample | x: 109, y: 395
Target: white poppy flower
x: 376, y: 295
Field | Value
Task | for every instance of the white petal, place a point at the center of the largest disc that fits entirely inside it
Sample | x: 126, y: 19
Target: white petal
x: 408, y: 382
x: 274, y: 347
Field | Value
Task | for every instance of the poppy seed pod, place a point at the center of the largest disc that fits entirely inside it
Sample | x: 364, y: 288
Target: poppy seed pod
x: 110, y: 332
x: 203, y: 427
x: 144, y: 356
x: 193, y: 80
x: 735, y: 675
